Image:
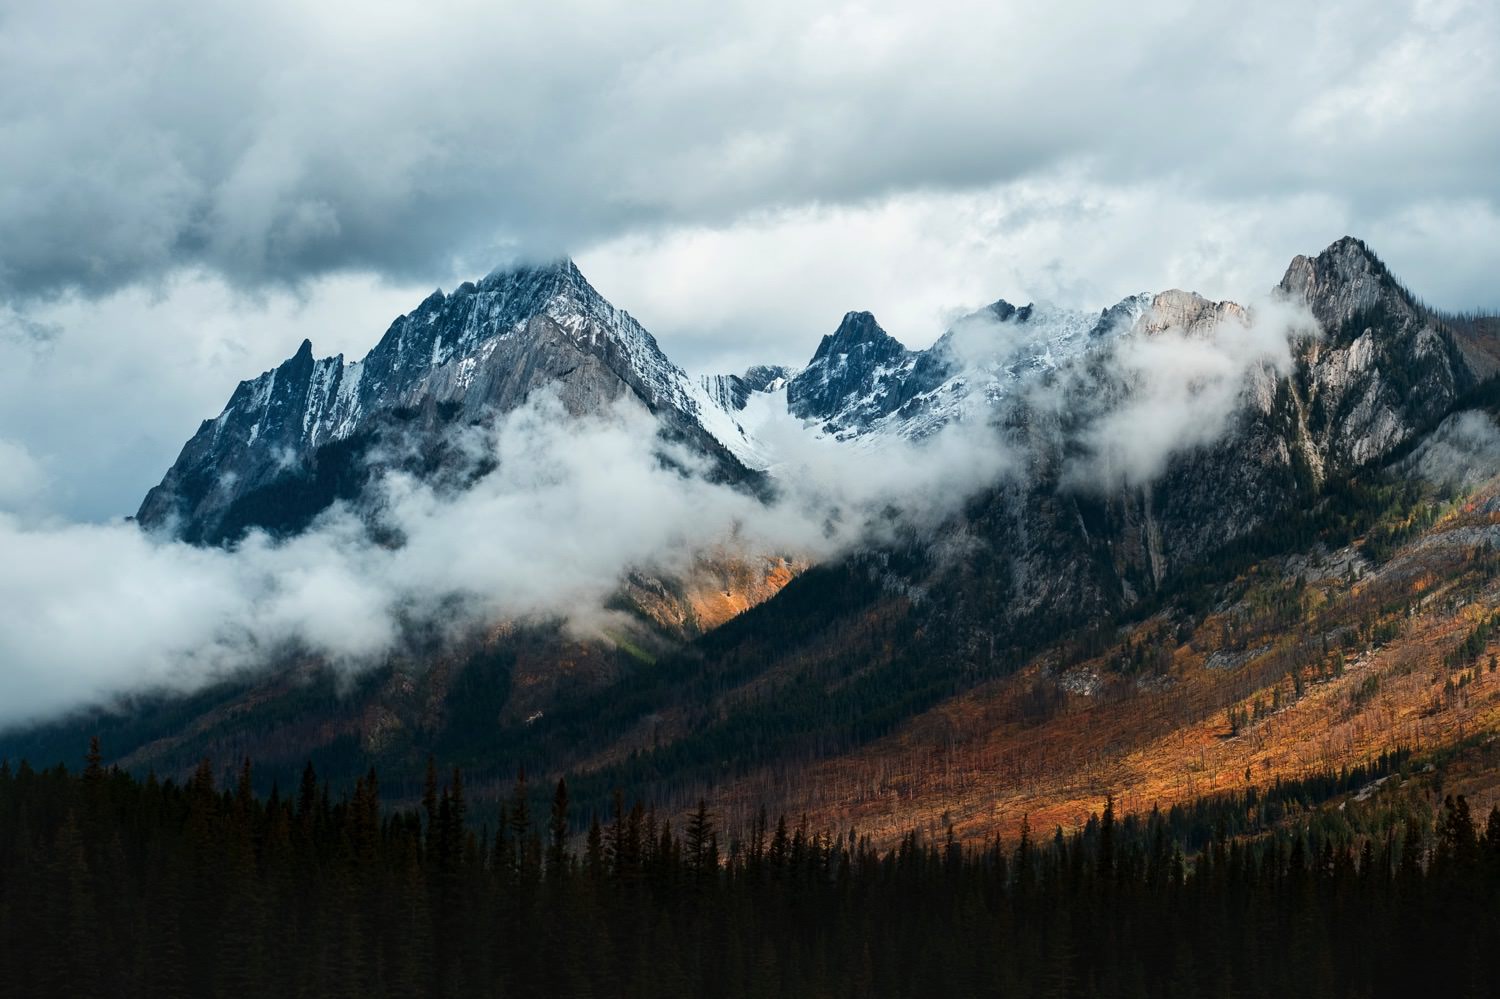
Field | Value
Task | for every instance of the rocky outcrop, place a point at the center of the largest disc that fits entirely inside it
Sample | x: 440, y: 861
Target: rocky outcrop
x: 853, y: 379
x: 1189, y: 313
x: 294, y: 438
x: 1384, y: 373
x: 1385, y: 369
x: 732, y: 392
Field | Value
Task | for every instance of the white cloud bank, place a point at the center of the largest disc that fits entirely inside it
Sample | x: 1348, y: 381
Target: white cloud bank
x: 89, y: 612
x: 23, y: 482
x: 1185, y: 387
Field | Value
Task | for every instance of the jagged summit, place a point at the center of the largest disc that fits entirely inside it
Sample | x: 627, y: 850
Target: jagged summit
x: 487, y: 346
x: 854, y: 377
x: 862, y: 381
x: 733, y: 392
x: 1344, y: 282
x: 858, y: 331
x: 1002, y: 311
x: 555, y: 269
x: 460, y: 357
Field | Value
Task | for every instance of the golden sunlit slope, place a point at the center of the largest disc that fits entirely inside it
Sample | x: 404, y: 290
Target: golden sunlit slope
x: 720, y: 585
x: 1314, y: 663
x: 509, y: 675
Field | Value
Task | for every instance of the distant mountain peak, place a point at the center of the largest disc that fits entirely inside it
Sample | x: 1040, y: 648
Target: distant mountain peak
x: 860, y: 322
x: 732, y: 392
x: 1352, y: 247
x: 858, y: 330
x: 1348, y: 258
x: 857, y: 361
x: 556, y: 274
x: 1003, y: 311
x: 1345, y: 285
x: 483, y: 349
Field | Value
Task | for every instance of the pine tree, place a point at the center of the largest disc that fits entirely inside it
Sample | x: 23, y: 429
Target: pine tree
x: 700, y: 831
x: 557, y: 847
x: 594, y: 865
x: 617, y: 860
x: 520, y: 828
x: 429, y: 793
x: 307, y: 799
x: 459, y: 806
x: 93, y: 771
x: 1107, y: 841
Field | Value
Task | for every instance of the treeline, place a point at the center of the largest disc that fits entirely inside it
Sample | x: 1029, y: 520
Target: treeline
x: 1194, y: 825
x: 112, y: 885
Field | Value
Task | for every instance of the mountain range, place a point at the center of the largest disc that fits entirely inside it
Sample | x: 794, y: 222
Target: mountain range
x: 1203, y: 503
x: 294, y: 438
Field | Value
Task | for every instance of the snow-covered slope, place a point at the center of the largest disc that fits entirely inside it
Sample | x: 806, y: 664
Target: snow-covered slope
x: 863, y: 385
x: 296, y: 438
x: 732, y: 392
x: 484, y: 348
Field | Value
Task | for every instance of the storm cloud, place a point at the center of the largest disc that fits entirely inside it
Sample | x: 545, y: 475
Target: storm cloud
x: 276, y: 142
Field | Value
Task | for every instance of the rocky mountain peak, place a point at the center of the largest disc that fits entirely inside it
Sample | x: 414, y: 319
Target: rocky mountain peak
x: 858, y: 332
x: 1385, y: 370
x: 1189, y: 312
x: 535, y: 281
x: 1345, y: 284
x: 1002, y: 311
x: 732, y: 392
x: 853, y: 377
x: 462, y: 357
x: 767, y: 377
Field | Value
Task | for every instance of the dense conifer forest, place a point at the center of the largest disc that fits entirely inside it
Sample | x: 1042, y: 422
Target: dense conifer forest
x: 111, y: 885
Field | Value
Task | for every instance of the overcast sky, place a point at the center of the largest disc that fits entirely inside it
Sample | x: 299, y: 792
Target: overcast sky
x: 189, y: 189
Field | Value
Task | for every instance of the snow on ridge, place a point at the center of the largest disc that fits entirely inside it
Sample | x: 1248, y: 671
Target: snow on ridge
x: 909, y: 394
x: 984, y: 359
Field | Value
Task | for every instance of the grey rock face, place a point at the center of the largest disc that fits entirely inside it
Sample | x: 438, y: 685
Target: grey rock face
x: 1343, y: 283
x: 1386, y: 368
x: 1384, y: 374
x: 853, y: 379
x: 483, y: 349
x: 732, y: 392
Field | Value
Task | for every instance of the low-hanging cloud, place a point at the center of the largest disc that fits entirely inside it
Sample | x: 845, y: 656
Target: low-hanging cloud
x: 92, y: 612
x: 557, y: 510
x: 22, y: 480
x: 1176, y: 382
x: 1462, y: 453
